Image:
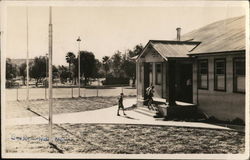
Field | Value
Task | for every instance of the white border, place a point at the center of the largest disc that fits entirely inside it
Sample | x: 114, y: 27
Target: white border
x: 124, y: 3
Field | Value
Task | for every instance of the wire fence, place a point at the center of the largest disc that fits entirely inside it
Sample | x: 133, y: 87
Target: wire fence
x: 20, y: 93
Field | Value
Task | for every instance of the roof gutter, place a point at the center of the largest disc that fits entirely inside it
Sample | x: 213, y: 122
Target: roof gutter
x: 217, y: 53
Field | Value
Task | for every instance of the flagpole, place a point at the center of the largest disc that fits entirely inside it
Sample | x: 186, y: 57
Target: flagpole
x: 27, y: 59
x: 50, y: 74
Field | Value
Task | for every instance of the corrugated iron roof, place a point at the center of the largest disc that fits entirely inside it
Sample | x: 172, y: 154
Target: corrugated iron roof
x: 173, y: 48
x: 221, y: 36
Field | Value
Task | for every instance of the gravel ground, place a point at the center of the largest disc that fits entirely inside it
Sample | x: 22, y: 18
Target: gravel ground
x: 122, y: 139
x: 18, y: 109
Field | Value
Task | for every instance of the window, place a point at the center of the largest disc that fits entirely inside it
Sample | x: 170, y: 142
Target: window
x: 220, y: 74
x: 239, y: 75
x: 203, y: 74
x: 158, y: 77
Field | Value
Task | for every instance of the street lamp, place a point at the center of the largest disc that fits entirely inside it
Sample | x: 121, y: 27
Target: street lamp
x: 79, y: 64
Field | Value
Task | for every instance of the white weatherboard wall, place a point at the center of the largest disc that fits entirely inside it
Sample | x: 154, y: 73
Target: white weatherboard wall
x: 224, y: 105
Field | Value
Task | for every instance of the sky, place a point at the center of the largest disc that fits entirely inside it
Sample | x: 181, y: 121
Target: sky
x: 103, y: 29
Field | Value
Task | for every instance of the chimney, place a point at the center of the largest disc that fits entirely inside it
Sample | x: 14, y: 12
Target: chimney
x: 178, y: 33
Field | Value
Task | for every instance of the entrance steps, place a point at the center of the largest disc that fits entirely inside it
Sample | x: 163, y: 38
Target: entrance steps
x: 145, y: 111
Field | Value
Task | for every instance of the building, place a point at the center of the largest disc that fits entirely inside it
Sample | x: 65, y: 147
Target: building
x: 204, y: 68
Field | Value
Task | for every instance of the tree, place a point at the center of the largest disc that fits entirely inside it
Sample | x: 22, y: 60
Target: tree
x: 97, y: 69
x: 22, y: 71
x: 63, y: 73
x: 38, y: 69
x: 136, y: 51
x: 11, y: 70
x: 116, y: 63
x: 55, y: 72
x: 87, y: 64
x: 106, y: 64
x: 129, y: 65
x: 70, y: 58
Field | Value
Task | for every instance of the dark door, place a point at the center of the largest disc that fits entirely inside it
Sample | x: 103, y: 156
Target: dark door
x: 185, y: 86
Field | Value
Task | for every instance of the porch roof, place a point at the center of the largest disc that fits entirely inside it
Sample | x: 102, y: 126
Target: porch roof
x: 170, y: 49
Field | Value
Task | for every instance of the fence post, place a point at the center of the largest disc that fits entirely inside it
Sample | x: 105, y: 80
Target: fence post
x: 17, y: 92
x: 97, y: 86
x: 72, y: 92
x: 45, y: 91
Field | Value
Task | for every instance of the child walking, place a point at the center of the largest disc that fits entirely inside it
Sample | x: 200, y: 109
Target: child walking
x: 120, y: 105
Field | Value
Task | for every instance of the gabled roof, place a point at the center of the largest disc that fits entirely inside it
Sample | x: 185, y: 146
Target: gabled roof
x: 174, y: 48
x: 169, y: 49
x: 221, y: 36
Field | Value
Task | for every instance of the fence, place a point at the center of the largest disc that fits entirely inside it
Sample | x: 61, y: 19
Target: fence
x: 69, y: 92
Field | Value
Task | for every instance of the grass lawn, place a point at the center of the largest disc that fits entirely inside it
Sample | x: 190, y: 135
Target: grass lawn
x: 18, y: 109
x: 122, y: 139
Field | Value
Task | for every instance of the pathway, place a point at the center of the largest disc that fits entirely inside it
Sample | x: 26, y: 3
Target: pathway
x: 108, y: 116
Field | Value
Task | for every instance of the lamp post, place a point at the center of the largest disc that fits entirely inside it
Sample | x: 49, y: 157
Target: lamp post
x: 79, y: 64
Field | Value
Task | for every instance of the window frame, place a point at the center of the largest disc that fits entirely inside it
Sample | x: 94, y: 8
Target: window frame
x: 225, y: 74
x: 199, y: 74
x: 235, y: 76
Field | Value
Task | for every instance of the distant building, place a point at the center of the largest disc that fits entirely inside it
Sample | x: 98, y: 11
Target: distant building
x: 205, y: 67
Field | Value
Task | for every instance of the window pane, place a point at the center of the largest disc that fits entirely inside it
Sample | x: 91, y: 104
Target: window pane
x: 221, y: 82
x: 204, y: 71
x: 203, y: 81
x: 219, y: 71
x: 158, y: 73
x: 203, y: 74
x: 239, y: 75
x: 241, y: 83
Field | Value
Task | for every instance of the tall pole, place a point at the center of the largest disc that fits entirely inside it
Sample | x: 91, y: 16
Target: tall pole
x: 50, y: 75
x: 45, y: 85
x: 79, y: 64
x: 97, y: 87
x: 27, y: 59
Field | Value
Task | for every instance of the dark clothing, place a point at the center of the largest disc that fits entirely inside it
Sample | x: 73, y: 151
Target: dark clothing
x: 120, y: 101
x: 120, y: 105
x: 150, y: 94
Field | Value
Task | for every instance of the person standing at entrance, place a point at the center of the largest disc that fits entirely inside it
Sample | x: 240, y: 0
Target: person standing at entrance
x: 120, y: 105
x: 150, y: 94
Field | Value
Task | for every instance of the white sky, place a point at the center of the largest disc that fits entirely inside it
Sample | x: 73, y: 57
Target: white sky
x: 103, y: 29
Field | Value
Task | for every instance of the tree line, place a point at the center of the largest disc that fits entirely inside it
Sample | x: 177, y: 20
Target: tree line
x: 119, y: 65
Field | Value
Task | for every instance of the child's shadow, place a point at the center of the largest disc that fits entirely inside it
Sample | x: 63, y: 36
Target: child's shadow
x: 126, y: 116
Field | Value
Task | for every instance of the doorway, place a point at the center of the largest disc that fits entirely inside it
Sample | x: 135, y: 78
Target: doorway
x: 183, y: 84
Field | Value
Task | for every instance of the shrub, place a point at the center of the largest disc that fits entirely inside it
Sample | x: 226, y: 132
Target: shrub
x: 113, y: 81
x: 237, y: 121
x: 10, y: 84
